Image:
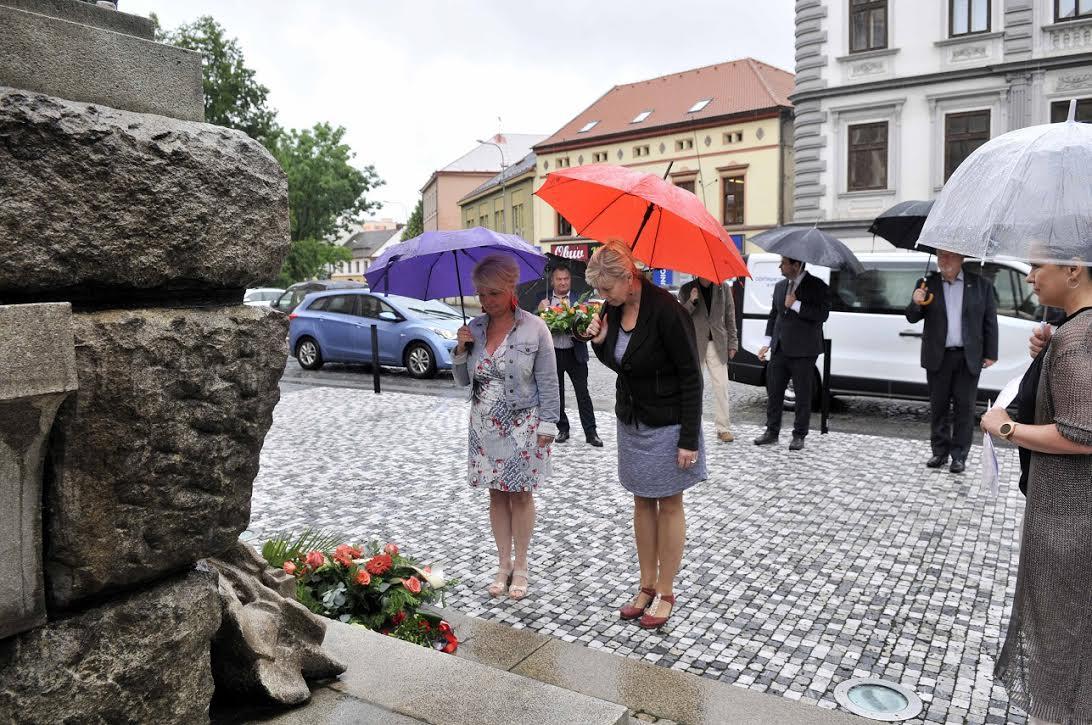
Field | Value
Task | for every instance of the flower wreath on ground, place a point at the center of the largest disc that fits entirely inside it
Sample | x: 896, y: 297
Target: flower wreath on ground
x: 567, y: 319
x: 371, y: 586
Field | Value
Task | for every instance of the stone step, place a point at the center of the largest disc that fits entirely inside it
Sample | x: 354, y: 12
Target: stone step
x: 391, y: 681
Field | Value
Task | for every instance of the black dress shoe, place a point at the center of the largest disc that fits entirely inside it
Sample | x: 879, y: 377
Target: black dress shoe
x: 797, y: 443
x: 766, y: 438
x: 594, y: 440
x: 958, y: 466
x: 937, y: 461
x: 561, y: 437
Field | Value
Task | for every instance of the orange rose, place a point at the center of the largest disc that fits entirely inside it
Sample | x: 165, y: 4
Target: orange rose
x: 363, y: 578
x: 391, y: 549
x: 413, y: 584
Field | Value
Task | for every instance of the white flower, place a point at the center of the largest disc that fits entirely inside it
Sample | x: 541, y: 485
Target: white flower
x: 435, y: 578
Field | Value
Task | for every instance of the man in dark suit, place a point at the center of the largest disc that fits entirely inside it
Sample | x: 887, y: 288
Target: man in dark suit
x: 959, y: 339
x: 794, y: 330
x: 572, y: 358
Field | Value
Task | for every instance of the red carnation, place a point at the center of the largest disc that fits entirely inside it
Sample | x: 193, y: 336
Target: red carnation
x: 379, y: 564
x: 344, y: 555
x: 398, y: 618
x: 289, y: 567
x: 315, y: 559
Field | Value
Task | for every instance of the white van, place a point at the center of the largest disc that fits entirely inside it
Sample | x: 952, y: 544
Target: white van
x: 874, y: 350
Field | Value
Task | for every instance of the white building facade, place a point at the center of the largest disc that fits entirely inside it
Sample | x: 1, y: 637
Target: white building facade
x: 891, y: 95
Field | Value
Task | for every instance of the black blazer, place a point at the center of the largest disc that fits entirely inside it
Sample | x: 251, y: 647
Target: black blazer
x: 979, y: 322
x: 799, y: 334
x: 659, y: 378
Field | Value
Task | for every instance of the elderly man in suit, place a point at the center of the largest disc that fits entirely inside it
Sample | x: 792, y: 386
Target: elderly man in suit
x: 713, y: 312
x: 794, y: 332
x: 959, y: 339
x: 572, y: 359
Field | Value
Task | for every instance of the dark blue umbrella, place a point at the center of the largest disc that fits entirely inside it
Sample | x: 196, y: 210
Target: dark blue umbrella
x: 809, y: 244
x: 439, y: 264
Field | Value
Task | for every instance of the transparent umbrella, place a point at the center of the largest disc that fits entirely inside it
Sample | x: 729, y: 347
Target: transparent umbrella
x: 1025, y: 195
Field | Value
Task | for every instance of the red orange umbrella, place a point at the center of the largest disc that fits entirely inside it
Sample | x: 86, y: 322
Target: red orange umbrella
x: 665, y: 226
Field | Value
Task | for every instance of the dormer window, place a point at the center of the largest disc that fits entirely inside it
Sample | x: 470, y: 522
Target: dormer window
x: 699, y: 105
x: 587, y: 126
x: 641, y: 116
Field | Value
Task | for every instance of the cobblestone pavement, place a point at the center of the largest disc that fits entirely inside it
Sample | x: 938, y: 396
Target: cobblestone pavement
x: 876, y: 416
x: 801, y: 570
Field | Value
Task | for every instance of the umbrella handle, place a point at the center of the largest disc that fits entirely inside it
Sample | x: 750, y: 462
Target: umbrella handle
x: 928, y: 295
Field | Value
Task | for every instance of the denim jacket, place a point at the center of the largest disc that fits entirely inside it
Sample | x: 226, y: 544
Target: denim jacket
x: 529, y: 362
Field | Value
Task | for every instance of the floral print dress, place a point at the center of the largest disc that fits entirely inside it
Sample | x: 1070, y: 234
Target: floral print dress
x: 504, y: 450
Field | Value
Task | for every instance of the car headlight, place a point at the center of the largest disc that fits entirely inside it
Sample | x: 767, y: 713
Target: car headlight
x: 446, y: 334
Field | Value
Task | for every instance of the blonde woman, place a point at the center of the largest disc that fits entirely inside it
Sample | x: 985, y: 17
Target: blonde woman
x: 647, y: 338
x: 505, y: 357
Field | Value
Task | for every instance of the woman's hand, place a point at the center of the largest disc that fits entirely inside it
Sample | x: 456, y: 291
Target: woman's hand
x: 544, y: 440
x: 1040, y: 336
x: 686, y: 459
x: 464, y: 335
x: 992, y: 420
x: 597, y: 329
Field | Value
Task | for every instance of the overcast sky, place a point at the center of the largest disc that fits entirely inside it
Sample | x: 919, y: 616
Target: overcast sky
x: 415, y: 82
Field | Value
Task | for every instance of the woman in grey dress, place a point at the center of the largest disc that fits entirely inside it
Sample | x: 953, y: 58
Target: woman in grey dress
x: 647, y: 338
x: 505, y: 358
x: 1046, y: 662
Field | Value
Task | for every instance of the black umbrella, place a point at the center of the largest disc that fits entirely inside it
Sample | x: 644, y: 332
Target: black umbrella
x: 811, y: 245
x: 533, y: 292
x: 901, y: 225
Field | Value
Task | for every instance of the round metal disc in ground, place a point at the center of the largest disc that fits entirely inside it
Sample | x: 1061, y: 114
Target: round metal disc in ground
x: 878, y: 699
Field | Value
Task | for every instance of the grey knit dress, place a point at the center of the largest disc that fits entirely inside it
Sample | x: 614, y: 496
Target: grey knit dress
x: 1046, y: 662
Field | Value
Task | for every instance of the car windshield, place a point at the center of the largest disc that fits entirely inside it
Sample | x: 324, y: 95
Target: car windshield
x: 432, y: 309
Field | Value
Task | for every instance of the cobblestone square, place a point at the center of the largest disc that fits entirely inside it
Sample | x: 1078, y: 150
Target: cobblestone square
x: 801, y: 570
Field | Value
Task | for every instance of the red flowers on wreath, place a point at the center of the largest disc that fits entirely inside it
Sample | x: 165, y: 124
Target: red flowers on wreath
x: 391, y: 549
x: 363, y: 578
x: 398, y: 618
x: 315, y: 559
x: 289, y: 567
x: 413, y: 584
x: 446, y: 642
x: 379, y: 564
x: 345, y: 554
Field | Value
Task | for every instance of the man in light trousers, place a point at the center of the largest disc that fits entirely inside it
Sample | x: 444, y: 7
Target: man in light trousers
x: 713, y: 312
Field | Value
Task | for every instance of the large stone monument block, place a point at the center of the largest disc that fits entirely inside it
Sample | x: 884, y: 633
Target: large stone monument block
x: 107, y: 201
x: 151, y: 464
x: 37, y: 372
x: 143, y: 658
x: 95, y: 65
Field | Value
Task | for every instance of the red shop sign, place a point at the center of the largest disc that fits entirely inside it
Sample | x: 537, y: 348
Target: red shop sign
x: 579, y: 252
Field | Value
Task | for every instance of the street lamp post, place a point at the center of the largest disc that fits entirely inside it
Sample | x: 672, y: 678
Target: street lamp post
x: 504, y: 185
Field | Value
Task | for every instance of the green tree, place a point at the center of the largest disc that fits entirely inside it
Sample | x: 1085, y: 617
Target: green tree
x: 310, y: 258
x: 325, y: 196
x: 233, y: 98
x: 415, y: 225
x: 325, y: 191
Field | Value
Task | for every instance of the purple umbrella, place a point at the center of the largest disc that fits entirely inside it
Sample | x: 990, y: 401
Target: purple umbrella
x: 439, y: 264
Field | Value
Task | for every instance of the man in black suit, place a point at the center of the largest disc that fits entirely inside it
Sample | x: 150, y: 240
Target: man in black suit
x: 572, y: 359
x: 959, y: 339
x: 800, y: 306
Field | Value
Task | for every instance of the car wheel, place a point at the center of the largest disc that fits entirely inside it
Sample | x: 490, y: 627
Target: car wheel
x: 308, y: 353
x: 420, y: 361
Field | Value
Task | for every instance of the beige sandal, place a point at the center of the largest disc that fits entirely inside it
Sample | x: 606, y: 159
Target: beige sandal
x: 516, y: 591
x: 500, y: 584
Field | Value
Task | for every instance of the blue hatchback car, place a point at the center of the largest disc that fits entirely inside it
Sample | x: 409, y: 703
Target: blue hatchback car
x: 335, y: 326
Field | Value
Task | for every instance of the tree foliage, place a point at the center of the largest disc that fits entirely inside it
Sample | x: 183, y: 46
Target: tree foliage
x: 325, y: 191
x: 309, y: 259
x: 233, y: 98
x: 415, y: 225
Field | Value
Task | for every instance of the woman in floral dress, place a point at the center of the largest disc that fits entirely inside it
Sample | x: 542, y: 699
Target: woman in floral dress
x: 505, y: 357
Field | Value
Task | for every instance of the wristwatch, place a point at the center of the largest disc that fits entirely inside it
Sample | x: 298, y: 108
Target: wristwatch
x: 1007, y: 429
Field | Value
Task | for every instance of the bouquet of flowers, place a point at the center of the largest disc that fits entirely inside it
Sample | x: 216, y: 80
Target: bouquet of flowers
x: 375, y: 587
x: 569, y: 319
